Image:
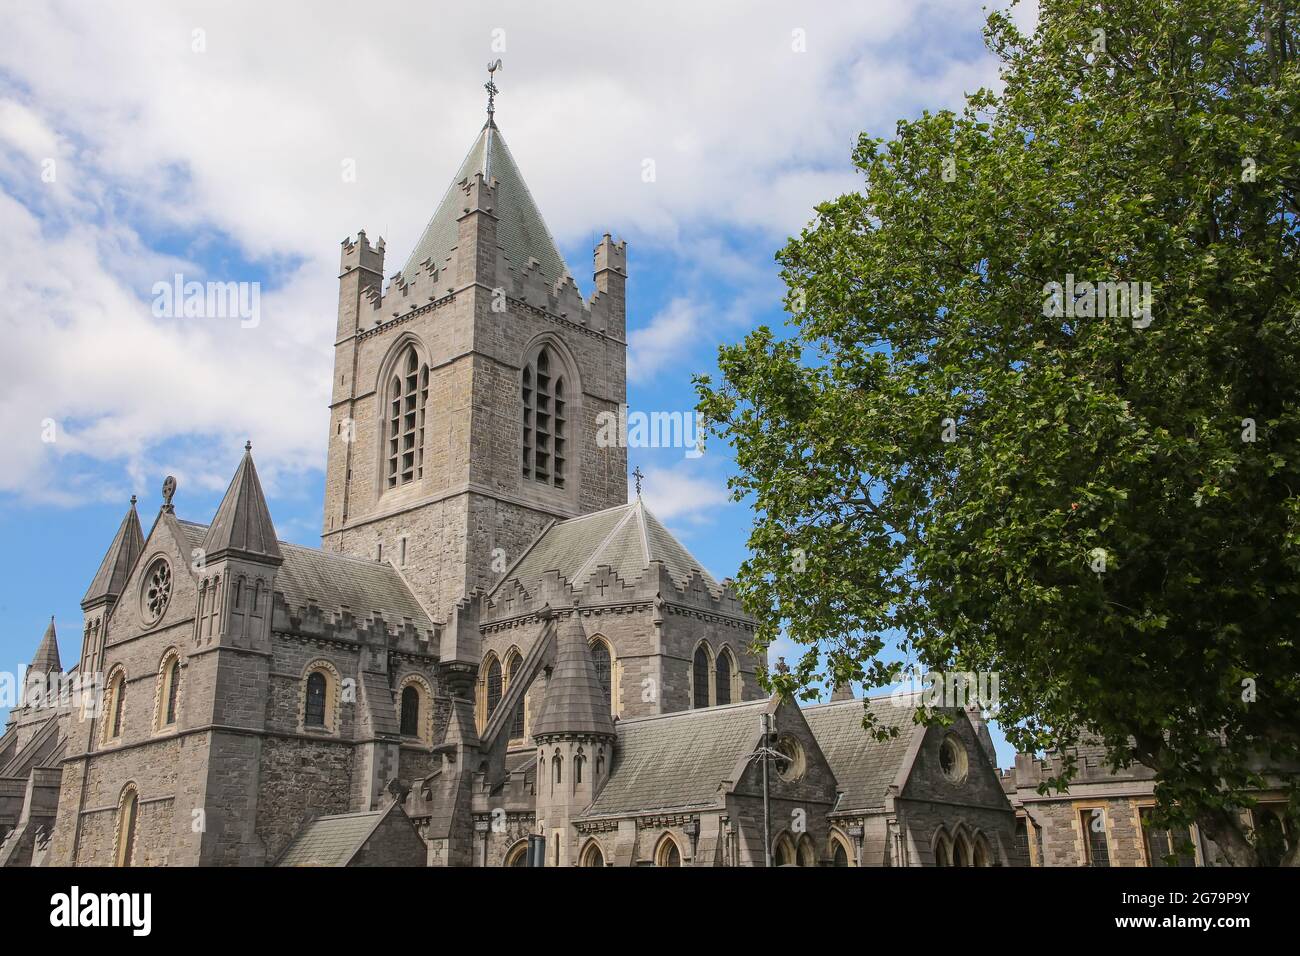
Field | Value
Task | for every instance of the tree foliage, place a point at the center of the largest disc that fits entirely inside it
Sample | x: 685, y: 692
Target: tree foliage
x: 1114, y: 526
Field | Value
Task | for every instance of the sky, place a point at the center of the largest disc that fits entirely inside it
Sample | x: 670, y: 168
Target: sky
x: 244, y: 141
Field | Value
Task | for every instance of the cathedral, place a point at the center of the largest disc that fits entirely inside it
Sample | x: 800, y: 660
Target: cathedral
x: 497, y: 657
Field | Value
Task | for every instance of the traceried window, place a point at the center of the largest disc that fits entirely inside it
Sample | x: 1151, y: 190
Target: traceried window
x: 410, y: 712
x: 701, y: 677
x: 407, y: 401
x: 1163, y: 843
x: 724, y: 677
x: 157, y: 590
x: 604, y: 671
x: 545, y: 420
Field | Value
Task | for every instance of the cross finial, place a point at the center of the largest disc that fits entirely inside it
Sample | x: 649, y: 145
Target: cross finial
x: 638, y: 476
x: 491, y: 86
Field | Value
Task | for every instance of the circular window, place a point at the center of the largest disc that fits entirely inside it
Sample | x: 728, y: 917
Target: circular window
x: 952, y: 758
x: 157, y: 590
x: 795, y: 763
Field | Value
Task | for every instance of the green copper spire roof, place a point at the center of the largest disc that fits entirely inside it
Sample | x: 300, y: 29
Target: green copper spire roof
x: 521, y: 231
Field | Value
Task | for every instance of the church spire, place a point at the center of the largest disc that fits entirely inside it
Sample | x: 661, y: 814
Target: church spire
x: 243, y: 523
x: 46, y: 660
x: 118, y: 562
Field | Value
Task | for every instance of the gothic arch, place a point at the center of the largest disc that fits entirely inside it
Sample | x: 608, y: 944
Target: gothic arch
x: 592, y: 854
x: 807, y: 851
x: 519, y: 719
x: 784, y: 850
x: 667, y: 852
x: 489, y: 688
x: 607, y: 668
x: 402, y: 414
x: 549, y: 420
x: 114, y: 704
x: 840, y: 848
x: 126, y: 830
x: 517, y: 855
x: 167, y: 688
x: 701, y: 676
x: 941, y: 847
x: 726, y: 676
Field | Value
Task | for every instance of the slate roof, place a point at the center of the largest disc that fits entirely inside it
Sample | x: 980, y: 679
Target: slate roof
x: 332, y: 840
x: 243, y: 522
x: 574, y: 702
x: 119, y: 560
x: 626, y: 538
x: 677, y: 761
x: 333, y: 580
x: 521, y: 231
x: 864, y: 768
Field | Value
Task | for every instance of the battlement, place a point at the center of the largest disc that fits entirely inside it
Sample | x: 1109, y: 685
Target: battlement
x: 519, y: 285
x: 312, y: 621
x: 362, y: 255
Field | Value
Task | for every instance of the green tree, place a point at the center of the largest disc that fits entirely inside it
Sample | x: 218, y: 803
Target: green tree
x: 1098, y: 501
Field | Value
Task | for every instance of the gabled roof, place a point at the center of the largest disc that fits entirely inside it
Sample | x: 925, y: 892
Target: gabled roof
x: 332, y: 840
x: 521, y: 232
x: 243, y: 522
x: 626, y: 538
x: 678, y: 761
x: 574, y: 702
x: 336, y: 580
x: 46, y: 660
x: 864, y: 768
x: 119, y: 560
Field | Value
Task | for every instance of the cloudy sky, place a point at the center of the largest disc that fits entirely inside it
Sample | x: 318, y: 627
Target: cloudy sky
x: 243, y: 141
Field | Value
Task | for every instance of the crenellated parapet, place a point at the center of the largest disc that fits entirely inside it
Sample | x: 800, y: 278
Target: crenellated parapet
x: 338, y: 624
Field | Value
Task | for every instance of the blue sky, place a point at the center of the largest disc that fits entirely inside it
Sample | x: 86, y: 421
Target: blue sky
x: 138, y: 141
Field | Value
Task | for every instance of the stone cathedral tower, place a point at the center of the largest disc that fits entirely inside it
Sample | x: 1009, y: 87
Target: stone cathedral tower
x: 465, y: 394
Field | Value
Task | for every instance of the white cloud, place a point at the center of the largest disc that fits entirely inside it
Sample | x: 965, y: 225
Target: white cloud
x: 241, y: 145
x: 682, y: 494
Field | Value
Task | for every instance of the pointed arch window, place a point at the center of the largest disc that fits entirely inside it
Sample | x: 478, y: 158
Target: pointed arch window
x: 172, y: 687
x: 517, y: 718
x: 724, y: 671
x: 127, y: 819
x: 493, y: 687
x: 407, y: 396
x: 701, y: 666
x: 604, y: 670
x: 117, y: 697
x: 545, y: 420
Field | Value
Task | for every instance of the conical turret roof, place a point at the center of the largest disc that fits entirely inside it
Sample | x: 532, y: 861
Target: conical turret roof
x: 46, y: 660
x: 120, y: 559
x: 575, y: 702
x: 243, y: 522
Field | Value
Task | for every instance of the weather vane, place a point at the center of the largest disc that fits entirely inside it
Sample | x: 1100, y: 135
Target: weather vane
x: 491, y: 86
x: 638, y: 476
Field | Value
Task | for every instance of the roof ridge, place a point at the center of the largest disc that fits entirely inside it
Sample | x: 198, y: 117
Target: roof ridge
x: 580, y: 575
x: 718, y: 708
